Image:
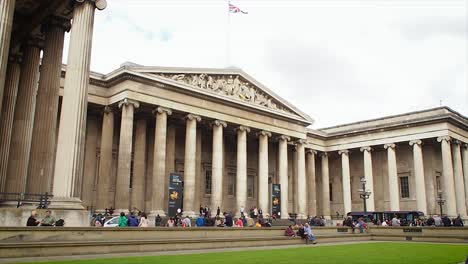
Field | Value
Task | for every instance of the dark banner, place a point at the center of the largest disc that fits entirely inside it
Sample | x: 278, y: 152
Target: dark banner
x: 175, y: 194
x: 276, y: 199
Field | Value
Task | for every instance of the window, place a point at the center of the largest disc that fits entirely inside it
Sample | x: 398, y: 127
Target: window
x: 208, y: 182
x: 404, y: 187
x: 250, y: 186
x: 330, y: 189
x: 231, y: 183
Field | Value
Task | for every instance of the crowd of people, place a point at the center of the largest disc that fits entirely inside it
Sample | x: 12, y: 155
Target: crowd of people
x: 304, y: 231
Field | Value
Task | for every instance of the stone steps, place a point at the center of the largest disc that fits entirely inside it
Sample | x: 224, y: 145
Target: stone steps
x: 62, y: 248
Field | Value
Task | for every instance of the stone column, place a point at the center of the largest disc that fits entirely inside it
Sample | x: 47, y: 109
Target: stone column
x: 325, y: 186
x: 393, y: 191
x: 458, y: 178
x: 189, y: 164
x: 312, y: 191
x: 7, y: 115
x: 217, y: 166
x: 346, y: 180
x: 241, y: 172
x: 447, y: 174
x: 105, y: 160
x: 122, y: 197
x: 7, y: 9
x: 71, y: 137
x: 23, y: 121
x: 263, y: 201
x: 139, y: 165
x: 159, y: 162
x: 283, y: 174
x: 465, y: 170
x: 368, y: 175
x: 301, y: 181
x: 418, y: 164
x: 42, y: 155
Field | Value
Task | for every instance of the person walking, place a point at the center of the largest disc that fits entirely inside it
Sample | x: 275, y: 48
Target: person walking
x: 133, y: 221
x: 218, y: 211
x: 395, y: 221
x: 144, y: 222
x: 123, y: 221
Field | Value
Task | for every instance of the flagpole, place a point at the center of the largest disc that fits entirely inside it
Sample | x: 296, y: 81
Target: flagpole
x: 228, y: 36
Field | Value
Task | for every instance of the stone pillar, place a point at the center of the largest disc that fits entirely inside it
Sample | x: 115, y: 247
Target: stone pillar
x: 418, y: 164
x: 159, y: 162
x: 7, y: 9
x: 325, y: 186
x: 312, y: 191
x: 122, y: 197
x: 190, y: 164
x: 263, y: 201
x: 23, y: 121
x: 241, y: 172
x: 217, y: 166
x: 105, y: 160
x: 7, y: 115
x: 346, y: 180
x: 465, y: 170
x: 283, y: 174
x: 71, y: 137
x: 447, y: 174
x: 42, y: 155
x: 301, y: 181
x: 393, y: 191
x: 139, y: 165
x: 458, y: 178
x: 368, y: 175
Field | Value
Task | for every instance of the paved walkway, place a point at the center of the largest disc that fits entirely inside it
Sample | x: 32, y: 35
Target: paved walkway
x: 186, y: 252
x: 160, y: 253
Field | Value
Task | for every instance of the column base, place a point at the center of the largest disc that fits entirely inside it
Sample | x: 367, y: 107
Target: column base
x: 301, y: 216
x: 118, y: 211
x: 67, y: 203
x: 190, y: 214
x: 154, y: 213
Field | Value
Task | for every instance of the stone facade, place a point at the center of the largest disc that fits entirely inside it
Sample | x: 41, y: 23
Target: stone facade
x: 117, y: 137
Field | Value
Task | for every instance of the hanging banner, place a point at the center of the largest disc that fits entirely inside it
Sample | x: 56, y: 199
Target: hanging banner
x: 176, y: 190
x: 276, y: 200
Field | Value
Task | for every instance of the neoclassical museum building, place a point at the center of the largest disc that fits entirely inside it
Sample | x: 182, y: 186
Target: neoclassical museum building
x: 97, y: 141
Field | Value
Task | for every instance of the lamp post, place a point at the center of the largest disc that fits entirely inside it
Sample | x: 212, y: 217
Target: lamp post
x: 364, y: 194
x: 440, y: 201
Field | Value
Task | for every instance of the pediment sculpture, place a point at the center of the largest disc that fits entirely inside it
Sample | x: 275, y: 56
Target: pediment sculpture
x: 228, y: 85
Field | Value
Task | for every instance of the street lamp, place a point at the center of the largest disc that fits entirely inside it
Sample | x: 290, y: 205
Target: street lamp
x: 364, y: 194
x: 440, y: 201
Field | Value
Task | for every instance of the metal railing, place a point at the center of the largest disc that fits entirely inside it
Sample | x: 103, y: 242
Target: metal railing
x: 43, y: 200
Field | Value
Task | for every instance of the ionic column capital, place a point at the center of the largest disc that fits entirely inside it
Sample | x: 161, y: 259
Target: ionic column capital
x: 311, y: 151
x: 343, y: 151
x: 162, y: 110
x: 456, y: 142
x: 284, y: 137
x: 417, y: 142
x: 390, y: 145
x: 99, y: 4
x: 444, y: 138
x: 219, y: 123
x: 264, y: 133
x: 243, y: 128
x: 107, y: 109
x: 56, y: 21
x: 192, y: 117
x: 465, y: 145
x: 368, y: 149
x: 323, y: 154
x: 301, y: 142
x: 126, y: 102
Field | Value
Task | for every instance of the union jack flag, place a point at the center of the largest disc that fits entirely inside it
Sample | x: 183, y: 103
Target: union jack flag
x: 235, y: 9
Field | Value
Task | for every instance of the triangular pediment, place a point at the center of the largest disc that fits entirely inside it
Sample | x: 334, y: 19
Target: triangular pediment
x: 227, y: 83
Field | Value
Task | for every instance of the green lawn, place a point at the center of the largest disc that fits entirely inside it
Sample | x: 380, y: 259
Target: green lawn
x: 352, y: 253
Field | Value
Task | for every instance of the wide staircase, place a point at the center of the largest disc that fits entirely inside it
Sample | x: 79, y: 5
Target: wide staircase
x: 50, y: 241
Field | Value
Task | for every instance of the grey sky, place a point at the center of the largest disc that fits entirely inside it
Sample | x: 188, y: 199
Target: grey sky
x: 338, y: 61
